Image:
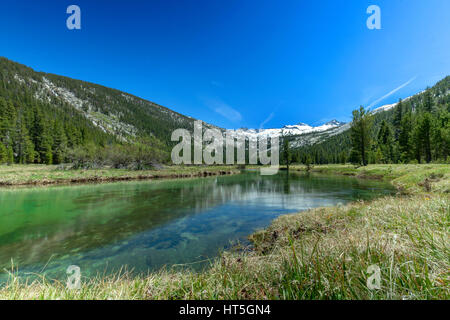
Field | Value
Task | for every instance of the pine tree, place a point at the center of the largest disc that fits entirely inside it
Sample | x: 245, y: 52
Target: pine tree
x: 439, y: 137
x: 23, y: 146
x: 425, y: 127
x: 398, y: 114
x: 3, y: 154
x: 416, y: 142
x: 342, y: 157
x: 308, y: 162
x: 59, y: 143
x: 385, y: 142
x: 287, y: 157
x: 41, y: 139
x: 445, y: 132
x: 378, y: 155
x: 360, y: 133
x: 404, y: 138
x: 9, y: 155
x: 7, y: 122
x: 427, y: 101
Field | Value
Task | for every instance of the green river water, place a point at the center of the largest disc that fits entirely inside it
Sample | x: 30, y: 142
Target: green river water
x: 146, y: 225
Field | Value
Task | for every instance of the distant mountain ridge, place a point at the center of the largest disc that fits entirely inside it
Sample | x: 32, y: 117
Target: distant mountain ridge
x: 289, y: 130
x: 85, y: 113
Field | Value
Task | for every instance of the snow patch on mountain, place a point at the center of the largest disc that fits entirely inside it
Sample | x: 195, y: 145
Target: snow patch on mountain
x: 287, y: 130
x: 387, y: 107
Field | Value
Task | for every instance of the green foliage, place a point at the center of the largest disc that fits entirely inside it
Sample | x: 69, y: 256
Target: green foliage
x: 38, y: 127
x: 3, y: 153
x: 398, y: 116
x: 417, y: 130
x: 144, y: 154
x: 360, y: 133
x: 42, y: 128
x: 286, y: 155
x: 404, y: 138
x: 424, y: 134
x: 385, y: 142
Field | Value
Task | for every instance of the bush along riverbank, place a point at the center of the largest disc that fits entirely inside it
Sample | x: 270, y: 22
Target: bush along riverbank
x: 326, y: 253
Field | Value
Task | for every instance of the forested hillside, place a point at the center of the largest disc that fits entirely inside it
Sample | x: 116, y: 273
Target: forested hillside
x: 45, y: 118
x: 415, y: 130
x: 51, y: 119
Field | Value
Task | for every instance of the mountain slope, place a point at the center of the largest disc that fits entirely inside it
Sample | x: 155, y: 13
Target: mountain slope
x: 48, y: 114
x: 44, y: 117
x: 335, y: 147
x: 113, y: 112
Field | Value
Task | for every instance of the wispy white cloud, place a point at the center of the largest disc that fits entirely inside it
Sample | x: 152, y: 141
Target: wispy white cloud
x: 261, y: 126
x: 392, y: 92
x: 223, y: 109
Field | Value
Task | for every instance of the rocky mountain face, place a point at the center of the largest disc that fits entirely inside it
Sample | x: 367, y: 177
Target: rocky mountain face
x: 289, y: 130
x: 299, y: 134
x: 110, y: 111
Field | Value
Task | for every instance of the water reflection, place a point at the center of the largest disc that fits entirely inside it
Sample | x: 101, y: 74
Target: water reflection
x: 146, y: 225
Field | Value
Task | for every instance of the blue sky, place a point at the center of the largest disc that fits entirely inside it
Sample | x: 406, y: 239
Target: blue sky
x: 239, y: 63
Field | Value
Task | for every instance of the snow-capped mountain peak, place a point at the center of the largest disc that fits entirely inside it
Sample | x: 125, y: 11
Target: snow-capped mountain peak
x: 289, y: 130
x: 335, y: 122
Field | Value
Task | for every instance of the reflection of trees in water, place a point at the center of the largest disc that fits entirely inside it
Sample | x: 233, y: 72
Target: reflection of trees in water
x: 94, y: 216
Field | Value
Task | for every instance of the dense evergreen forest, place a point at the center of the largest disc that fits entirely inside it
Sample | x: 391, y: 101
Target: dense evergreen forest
x: 50, y: 119
x: 416, y: 130
x: 36, y: 132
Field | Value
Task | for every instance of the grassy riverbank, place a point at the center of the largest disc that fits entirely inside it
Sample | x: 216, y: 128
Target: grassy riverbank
x: 407, y: 178
x: 21, y: 175
x: 322, y: 253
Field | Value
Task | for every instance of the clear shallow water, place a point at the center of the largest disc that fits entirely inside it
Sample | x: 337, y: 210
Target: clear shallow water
x: 146, y: 225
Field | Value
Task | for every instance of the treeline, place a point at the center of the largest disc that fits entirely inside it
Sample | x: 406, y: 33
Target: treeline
x: 31, y: 135
x: 414, y: 131
x: 40, y: 126
x: 143, y: 154
x: 334, y: 150
x: 146, y: 117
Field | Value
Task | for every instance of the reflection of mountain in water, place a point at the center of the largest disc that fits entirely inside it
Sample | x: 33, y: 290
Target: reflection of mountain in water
x: 39, y: 224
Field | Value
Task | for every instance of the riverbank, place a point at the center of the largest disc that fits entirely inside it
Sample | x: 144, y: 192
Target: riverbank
x: 322, y: 253
x: 407, y: 178
x: 35, y: 175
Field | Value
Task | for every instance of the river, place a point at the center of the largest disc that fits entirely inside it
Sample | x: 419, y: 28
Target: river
x: 147, y: 225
